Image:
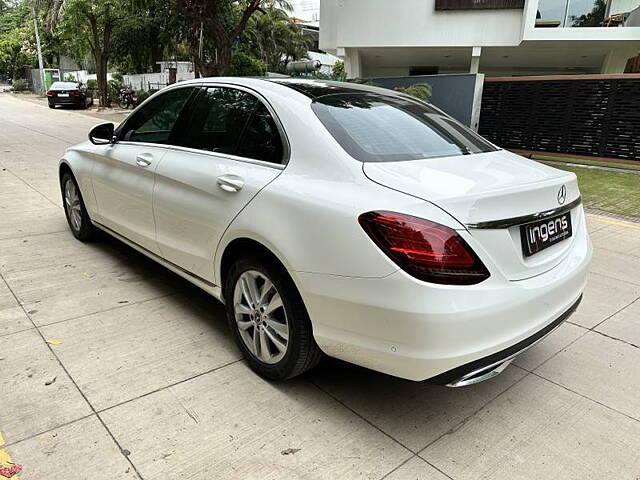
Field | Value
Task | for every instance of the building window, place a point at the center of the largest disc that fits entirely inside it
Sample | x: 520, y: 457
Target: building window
x: 570, y: 13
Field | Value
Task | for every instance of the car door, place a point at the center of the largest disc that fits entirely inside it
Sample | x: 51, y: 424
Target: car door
x: 232, y: 147
x: 124, y: 172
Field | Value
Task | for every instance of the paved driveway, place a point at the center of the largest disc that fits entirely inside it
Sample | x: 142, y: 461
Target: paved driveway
x: 112, y: 367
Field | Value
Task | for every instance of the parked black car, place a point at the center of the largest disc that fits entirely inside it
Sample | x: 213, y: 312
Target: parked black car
x: 68, y: 93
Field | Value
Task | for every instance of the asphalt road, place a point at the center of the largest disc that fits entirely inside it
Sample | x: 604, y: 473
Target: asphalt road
x: 113, y: 367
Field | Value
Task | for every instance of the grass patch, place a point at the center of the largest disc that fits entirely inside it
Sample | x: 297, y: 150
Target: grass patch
x: 609, y: 191
x: 586, y: 161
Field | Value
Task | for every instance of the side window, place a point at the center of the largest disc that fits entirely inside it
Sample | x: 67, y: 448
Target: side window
x: 154, y: 122
x: 219, y: 118
x: 262, y: 140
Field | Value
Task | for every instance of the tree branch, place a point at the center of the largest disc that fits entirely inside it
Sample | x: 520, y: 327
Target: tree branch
x: 252, y: 6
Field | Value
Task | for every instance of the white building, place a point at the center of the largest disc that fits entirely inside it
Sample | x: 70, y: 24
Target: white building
x: 307, y: 10
x: 382, y: 38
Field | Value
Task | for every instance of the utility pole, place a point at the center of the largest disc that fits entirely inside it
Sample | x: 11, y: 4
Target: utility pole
x: 39, y: 49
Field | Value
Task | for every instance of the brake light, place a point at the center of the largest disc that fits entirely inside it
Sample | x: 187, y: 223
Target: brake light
x: 50, y: 93
x: 425, y: 250
x: 74, y: 93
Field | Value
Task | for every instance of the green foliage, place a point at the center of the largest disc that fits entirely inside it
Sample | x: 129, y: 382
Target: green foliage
x: 114, y: 87
x: 92, y: 85
x: 90, y: 26
x: 421, y: 91
x: 20, y: 85
x: 155, y: 30
x: 17, y: 49
x: 223, y: 24
x: 273, y: 37
x: 243, y: 65
x: 141, y: 97
x: 318, y: 75
x: 117, y: 76
x: 337, y: 71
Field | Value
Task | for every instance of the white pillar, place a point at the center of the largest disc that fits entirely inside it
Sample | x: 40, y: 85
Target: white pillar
x: 352, y: 63
x: 475, y: 59
x: 616, y: 60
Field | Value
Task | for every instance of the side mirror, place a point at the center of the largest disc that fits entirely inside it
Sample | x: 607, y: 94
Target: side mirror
x: 102, y: 134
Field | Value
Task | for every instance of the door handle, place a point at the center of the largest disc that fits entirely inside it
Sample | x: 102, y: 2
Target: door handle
x: 144, y: 159
x: 230, y: 183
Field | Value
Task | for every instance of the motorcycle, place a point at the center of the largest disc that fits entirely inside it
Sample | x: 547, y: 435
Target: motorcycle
x: 126, y: 98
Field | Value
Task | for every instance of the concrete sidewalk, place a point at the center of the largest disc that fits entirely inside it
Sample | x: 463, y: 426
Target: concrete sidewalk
x: 113, y: 367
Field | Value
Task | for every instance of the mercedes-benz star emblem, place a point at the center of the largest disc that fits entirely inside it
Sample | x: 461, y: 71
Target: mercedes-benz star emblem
x: 562, y: 194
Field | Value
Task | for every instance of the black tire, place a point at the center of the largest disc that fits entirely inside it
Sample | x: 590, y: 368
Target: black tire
x: 86, y: 231
x: 302, y: 352
x: 52, y: 106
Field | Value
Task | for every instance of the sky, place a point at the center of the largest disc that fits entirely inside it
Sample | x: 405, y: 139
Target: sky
x: 306, y: 9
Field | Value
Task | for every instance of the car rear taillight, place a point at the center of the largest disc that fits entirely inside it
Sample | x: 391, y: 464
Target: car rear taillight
x: 425, y: 250
x: 74, y: 93
x: 50, y: 93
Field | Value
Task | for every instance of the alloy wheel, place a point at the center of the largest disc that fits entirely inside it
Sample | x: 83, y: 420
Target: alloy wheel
x: 72, y: 204
x: 260, y: 316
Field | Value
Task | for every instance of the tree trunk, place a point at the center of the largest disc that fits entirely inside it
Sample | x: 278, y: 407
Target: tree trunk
x: 194, y: 47
x: 101, y: 77
x: 221, y: 67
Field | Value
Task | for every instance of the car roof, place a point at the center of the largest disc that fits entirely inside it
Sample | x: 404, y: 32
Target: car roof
x: 63, y: 85
x: 315, y: 88
x: 307, y: 87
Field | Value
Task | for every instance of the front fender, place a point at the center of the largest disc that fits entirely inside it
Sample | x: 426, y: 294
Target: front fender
x: 81, y: 162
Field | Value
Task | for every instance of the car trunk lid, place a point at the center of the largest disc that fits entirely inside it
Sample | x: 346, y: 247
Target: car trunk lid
x: 482, y: 191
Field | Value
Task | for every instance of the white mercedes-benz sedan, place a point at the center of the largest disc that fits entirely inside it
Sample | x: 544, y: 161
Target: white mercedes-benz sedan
x: 339, y: 219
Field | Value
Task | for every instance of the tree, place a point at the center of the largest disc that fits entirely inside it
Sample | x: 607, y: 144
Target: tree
x: 243, y: 65
x: 155, y: 29
x: 16, y: 42
x: 92, y: 24
x: 219, y: 23
x: 337, y: 71
x: 15, y: 53
x: 274, y: 38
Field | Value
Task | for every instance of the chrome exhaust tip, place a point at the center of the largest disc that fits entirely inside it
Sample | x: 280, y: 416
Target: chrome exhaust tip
x: 481, y: 374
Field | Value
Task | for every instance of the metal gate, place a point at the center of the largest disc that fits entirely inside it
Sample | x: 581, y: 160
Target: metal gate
x: 596, y: 115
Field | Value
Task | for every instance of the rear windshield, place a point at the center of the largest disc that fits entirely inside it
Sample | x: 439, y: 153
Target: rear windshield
x: 377, y: 128
x: 63, y: 86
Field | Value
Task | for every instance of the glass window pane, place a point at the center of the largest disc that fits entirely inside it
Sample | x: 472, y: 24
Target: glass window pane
x: 375, y: 128
x: 552, y: 10
x: 586, y: 13
x: 155, y: 121
x: 261, y: 140
x: 573, y: 13
x: 222, y: 114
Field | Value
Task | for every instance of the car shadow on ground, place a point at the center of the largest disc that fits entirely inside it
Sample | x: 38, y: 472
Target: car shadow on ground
x: 414, y: 413
x: 140, y: 268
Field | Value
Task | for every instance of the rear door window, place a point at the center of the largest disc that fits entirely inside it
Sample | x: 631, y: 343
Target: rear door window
x: 261, y: 140
x: 234, y: 122
x: 219, y: 119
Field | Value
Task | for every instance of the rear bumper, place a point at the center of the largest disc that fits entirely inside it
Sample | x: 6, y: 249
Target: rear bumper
x: 67, y: 100
x: 488, y: 367
x: 411, y: 329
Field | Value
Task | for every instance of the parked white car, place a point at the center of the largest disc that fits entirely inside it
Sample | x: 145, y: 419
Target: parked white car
x: 339, y: 219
